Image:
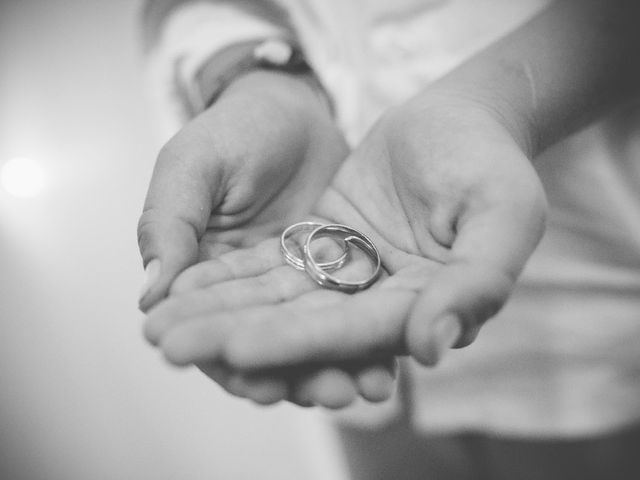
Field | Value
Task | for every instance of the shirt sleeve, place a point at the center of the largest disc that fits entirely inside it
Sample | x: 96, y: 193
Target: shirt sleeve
x: 179, y: 37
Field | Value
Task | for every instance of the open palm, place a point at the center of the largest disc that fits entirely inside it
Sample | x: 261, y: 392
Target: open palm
x: 454, y: 208
x: 237, y: 173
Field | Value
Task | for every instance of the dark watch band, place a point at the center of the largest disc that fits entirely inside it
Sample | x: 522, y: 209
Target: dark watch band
x: 241, y: 58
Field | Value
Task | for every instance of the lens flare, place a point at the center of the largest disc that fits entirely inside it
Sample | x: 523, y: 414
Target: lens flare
x: 22, y: 177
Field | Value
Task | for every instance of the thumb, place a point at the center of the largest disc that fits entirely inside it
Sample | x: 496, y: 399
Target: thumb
x: 175, y: 216
x: 488, y: 254
x: 168, y: 246
x: 455, y: 304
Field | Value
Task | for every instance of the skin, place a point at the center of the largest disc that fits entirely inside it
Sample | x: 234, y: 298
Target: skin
x: 454, y: 224
x: 226, y: 181
x: 444, y: 185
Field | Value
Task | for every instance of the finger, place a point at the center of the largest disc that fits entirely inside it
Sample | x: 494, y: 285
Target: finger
x: 262, y: 389
x: 312, y: 329
x: 377, y: 382
x: 331, y: 387
x: 327, y: 387
x: 175, y: 215
x: 244, y: 263
x: 194, y: 342
x: 277, y: 285
x: 234, y: 265
x: 488, y: 254
x: 204, y: 338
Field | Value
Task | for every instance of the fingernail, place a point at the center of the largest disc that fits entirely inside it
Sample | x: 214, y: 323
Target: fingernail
x: 151, y: 274
x: 446, y: 333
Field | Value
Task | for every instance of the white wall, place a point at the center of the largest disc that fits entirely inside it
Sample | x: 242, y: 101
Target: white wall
x: 81, y: 395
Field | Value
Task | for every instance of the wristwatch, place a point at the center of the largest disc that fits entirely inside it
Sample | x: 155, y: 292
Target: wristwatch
x: 239, y: 59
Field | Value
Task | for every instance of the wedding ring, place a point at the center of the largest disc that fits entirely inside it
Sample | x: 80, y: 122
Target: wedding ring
x: 298, y: 262
x: 351, y: 236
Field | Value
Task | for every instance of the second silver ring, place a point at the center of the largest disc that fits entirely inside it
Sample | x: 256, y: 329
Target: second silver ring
x: 350, y: 236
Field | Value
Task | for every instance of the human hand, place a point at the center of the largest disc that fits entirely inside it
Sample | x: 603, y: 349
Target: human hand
x: 256, y: 276
x: 241, y: 171
x: 235, y: 174
x: 453, y: 205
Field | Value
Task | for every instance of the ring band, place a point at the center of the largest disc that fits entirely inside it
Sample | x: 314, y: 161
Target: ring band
x: 351, y: 236
x: 297, y: 262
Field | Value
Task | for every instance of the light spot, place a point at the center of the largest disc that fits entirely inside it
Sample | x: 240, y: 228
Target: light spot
x: 22, y: 177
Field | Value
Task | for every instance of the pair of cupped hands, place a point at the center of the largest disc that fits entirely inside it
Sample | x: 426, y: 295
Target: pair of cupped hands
x: 440, y: 184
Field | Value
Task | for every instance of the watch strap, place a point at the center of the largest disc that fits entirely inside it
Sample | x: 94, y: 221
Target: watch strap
x: 239, y: 59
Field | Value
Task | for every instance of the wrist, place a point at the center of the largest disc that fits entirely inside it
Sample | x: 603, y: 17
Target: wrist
x: 564, y: 68
x: 276, y: 62
x: 299, y: 91
x: 492, y: 104
x: 291, y: 93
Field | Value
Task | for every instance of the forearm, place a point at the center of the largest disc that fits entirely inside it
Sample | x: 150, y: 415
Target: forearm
x: 556, y: 73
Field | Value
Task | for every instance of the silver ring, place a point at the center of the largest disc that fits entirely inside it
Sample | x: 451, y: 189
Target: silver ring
x: 297, y: 262
x: 351, y: 236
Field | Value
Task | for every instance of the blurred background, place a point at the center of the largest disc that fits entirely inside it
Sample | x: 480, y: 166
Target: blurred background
x: 82, y: 396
